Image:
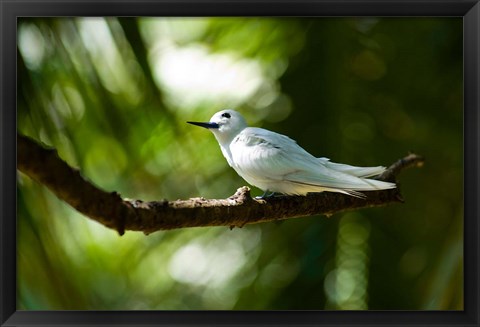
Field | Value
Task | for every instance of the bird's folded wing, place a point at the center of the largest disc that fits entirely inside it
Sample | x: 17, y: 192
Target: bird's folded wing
x: 332, y: 179
x: 274, y: 156
x: 363, y: 172
x: 352, y: 170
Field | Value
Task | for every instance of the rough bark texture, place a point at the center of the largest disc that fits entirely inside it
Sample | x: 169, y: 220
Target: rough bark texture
x: 109, y: 209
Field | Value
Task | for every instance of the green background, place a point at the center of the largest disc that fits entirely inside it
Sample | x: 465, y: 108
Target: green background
x: 113, y: 95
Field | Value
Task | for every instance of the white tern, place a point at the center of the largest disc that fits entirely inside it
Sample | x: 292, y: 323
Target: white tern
x: 275, y: 163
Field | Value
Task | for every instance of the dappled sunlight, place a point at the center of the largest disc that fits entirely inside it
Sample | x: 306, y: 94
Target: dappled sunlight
x: 346, y: 285
x: 199, y: 265
x: 31, y: 44
x: 277, y: 274
x: 177, y: 29
x: 106, y: 58
x: 215, y: 263
x: 193, y: 75
x: 113, y: 95
x: 68, y: 102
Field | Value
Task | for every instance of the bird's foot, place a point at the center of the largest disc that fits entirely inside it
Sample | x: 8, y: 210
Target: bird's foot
x: 265, y: 195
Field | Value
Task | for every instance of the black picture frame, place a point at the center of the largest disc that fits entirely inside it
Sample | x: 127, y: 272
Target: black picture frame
x: 10, y: 10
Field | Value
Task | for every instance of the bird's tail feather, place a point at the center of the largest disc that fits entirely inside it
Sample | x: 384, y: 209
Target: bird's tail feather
x: 379, y: 185
x: 362, y: 184
x: 350, y: 192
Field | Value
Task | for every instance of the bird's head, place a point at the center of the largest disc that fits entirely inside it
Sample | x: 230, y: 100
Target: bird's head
x: 225, y: 125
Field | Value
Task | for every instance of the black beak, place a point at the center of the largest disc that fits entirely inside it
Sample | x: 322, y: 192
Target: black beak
x: 205, y: 125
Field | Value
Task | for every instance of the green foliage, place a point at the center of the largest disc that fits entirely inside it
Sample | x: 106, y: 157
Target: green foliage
x: 113, y: 95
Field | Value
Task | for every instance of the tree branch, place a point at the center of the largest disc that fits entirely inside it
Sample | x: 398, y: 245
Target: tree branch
x: 109, y: 209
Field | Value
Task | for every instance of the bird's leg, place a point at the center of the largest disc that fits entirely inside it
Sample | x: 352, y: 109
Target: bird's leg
x: 265, y: 195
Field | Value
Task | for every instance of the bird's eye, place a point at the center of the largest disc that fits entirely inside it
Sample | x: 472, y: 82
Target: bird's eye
x: 226, y: 115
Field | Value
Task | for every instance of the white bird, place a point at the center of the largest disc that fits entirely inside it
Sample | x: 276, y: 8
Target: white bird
x: 275, y: 163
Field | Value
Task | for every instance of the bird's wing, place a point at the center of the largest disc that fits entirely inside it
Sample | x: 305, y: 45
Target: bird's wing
x: 337, y: 180
x: 363, y: 172
x: 265, y: 153
x: 262, y: 153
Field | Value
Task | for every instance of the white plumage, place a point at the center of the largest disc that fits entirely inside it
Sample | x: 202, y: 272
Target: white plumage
x: 274, y: 162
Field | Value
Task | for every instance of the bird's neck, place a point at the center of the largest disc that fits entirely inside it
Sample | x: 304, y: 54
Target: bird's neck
x: 224, y: 138
x: 227, y: 154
